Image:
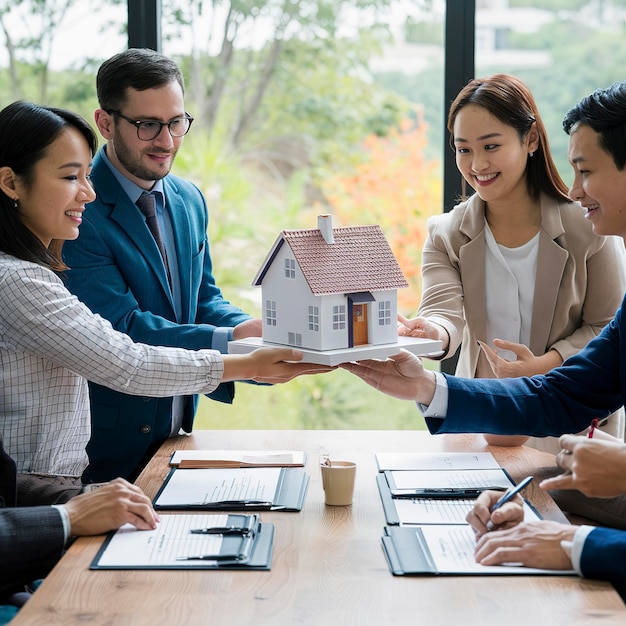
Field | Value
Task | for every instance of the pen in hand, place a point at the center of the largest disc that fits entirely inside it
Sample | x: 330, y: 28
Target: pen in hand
x: 510, y: 493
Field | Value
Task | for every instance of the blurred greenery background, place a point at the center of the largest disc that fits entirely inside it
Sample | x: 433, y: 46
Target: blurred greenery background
x: 316, y: 106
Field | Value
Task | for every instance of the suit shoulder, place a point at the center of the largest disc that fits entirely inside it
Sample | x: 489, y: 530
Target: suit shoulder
x: 182, y: 185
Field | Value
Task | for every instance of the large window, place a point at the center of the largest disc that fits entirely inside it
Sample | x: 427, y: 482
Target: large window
x: 297, y: 116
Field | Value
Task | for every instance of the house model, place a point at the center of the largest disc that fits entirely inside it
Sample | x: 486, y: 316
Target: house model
x: 329, y: 288
x: 331, y: 291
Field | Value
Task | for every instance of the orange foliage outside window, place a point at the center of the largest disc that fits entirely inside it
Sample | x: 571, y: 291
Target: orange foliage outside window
x: 396, y: 187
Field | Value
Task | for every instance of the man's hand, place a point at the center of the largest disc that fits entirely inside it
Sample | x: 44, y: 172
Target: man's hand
x: 400, y: 376
x: 533, y: 544
x: 596, y: 467
x: 508, y: 515
x: 249, y: 328
x: 109, y: 507
x: 269, y: 365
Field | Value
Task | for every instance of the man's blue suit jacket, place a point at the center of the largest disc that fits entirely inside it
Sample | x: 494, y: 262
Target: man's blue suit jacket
x: 31, y: 538
x: 589, y: 384
x: 115, y: 269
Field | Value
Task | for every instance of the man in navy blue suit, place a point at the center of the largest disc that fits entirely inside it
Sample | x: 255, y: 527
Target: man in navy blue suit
x: 32, y: 539
x: 589, y: 385
x: 157, y: 287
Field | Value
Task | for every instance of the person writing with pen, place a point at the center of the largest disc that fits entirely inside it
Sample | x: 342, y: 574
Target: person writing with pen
x: 591, y: 384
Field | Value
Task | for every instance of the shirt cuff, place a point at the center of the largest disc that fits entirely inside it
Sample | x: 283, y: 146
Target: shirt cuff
x: 65, y: 520
x: 438, y: 406
x: 221, y: 337
x: 574, y: 548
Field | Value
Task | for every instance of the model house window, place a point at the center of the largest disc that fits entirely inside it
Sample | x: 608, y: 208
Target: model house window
x: 384, y: 313
x: 290, y: 268
x: 270, y: 312
x: 314, y: 318
x: 339, y: 317
x: 294, y: 339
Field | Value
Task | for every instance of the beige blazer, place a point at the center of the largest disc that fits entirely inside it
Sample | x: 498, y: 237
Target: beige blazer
x: 580, y: 282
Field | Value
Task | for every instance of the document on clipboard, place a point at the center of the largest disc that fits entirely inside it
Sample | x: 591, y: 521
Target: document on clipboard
x: 436, y: 550
x: 438, y: 497
x: 200, y: 541
x: 234, y: 489
x: 237, y: 458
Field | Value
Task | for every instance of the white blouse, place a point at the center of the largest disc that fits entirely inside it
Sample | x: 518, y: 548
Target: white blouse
x: 509, y: 291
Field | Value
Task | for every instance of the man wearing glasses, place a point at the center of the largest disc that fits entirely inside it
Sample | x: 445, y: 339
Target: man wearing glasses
x: 142, y: 259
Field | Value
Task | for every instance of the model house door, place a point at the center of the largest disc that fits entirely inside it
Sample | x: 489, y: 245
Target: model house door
x: 359, y: 324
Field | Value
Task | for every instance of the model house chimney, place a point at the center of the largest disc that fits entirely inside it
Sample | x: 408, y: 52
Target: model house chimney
x: 325, y: 224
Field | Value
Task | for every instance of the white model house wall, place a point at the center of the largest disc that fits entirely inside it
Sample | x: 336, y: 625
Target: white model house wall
x: 292, y: 315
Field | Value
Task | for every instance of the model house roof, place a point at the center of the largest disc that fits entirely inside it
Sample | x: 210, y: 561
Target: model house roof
x: 357, y: 259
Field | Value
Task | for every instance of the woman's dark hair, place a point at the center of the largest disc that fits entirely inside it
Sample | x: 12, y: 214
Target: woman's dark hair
x: 508, y: 99
x: 604, y: 111
x: 26, y: 131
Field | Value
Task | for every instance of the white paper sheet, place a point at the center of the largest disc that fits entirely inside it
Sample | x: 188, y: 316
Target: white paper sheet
x: 441, y: 511
x: 452, y: 550
x: 198, y: 487
x: 435, y: 461
x: 440, y: 479
x: 134, y: 548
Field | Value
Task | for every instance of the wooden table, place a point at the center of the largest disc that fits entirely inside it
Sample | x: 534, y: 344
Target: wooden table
x: 328, y: 565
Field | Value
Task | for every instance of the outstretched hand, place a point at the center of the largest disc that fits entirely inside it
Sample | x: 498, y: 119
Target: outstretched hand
x: 596, y: 467
x: 524, y: 365
x: 269, y: 365
x: 400, y: 376
x: 422, y: 328
x: 249, y: 328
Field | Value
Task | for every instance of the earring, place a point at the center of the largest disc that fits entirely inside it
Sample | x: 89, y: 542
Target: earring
x: 531, y: 154
x: 15, y: 203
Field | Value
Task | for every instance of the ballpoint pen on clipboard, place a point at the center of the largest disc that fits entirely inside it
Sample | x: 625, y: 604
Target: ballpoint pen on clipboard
x: 229, y: 505
x: 221, y: 530
x: 248, y: 526
x: 449, y: 493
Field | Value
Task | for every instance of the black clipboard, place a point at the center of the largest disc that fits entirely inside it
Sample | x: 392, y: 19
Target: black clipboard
x: 408, y: 553
x: 389, y: 501
x: 289, y: 496
x: 245, y: 550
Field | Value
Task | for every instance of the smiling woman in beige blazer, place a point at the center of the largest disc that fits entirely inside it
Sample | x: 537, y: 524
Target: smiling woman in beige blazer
x: 515, y: 274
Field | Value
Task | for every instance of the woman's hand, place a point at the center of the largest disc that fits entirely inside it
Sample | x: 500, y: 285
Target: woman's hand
x: 269, y: 365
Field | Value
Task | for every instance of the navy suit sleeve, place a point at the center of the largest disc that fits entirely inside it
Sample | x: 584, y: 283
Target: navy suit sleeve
x: 589, y: 384
x: 31, y: 542
x: 604, y: 557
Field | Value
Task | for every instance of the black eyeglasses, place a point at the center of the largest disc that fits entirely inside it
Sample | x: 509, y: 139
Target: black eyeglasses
x: 147, y: 130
